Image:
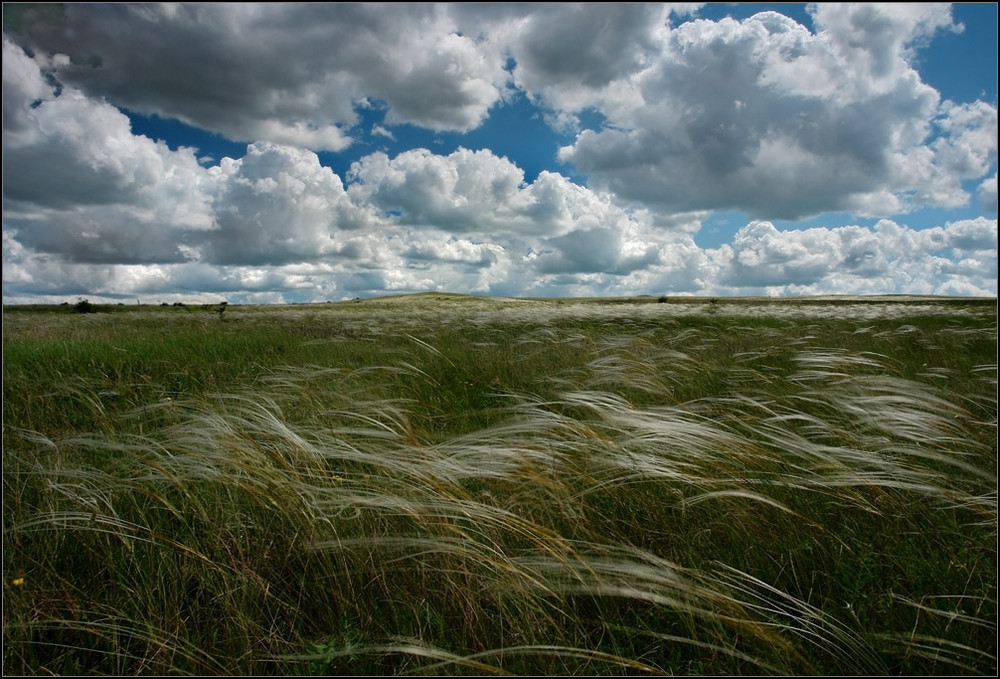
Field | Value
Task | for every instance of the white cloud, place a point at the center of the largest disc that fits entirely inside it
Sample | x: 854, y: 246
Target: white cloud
x: 595, y: 250
x: 378, y: 130
x: 464, y: 191
x: 761, y: 116
x: 969, y: 148
x: 854, y: 259
x: 877, y: 39
x: 23, y: 87
x: 308, y: 135
x: 969, y: 235
x: 77, y: 183
x: 558, y: 225
x: 761, y: 256
x: 959, y: 258
x: 277, y: 205
x: 766, y: 117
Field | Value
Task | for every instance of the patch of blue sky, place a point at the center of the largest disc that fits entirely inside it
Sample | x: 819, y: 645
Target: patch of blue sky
x: 591, y: 119
x: 719, y: 228
x: 515, y: 129
x: 918, y: 220
x: 929, y: 217
x: 963, y: 66
x: 211, y: 147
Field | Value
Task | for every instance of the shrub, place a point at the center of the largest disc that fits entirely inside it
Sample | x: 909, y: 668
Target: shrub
x: 84, y: 307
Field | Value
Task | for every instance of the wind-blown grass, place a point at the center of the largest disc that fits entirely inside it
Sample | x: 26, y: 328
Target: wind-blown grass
x: 511, y: 488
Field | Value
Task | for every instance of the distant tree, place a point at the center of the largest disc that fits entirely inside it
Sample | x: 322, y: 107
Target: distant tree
x: 84, y: 306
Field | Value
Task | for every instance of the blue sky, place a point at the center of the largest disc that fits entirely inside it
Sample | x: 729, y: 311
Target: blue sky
x: 276, y: 153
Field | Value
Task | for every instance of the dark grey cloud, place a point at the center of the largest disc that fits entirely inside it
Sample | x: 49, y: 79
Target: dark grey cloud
x: 286, y: 72
x: 597, y: 250
x: 585, y: 44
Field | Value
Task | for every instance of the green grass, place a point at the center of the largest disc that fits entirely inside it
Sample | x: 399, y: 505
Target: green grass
x: 441, y: 484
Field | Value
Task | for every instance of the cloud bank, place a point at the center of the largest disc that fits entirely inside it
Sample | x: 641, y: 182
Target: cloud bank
x: 762, y: 116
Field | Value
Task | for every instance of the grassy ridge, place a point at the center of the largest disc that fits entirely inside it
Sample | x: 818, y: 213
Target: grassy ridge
x: 442, y: 484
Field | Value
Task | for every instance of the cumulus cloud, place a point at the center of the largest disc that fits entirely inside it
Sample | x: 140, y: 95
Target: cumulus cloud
x: 79, y: 184
x: 878, y: 40
x: 277, y: 205
x: 598, y: 250
x: 564, y: 50
x: 23, y: 87
x: 146, y: 219
x: 769, y: 118
x: 464, y: 191
x: 762, y: 116
x: 291, y: 73
x: 552, y: 223
x: 852, y: 259
x: 967, y: 149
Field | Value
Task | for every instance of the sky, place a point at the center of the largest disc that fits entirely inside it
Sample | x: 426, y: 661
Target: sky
x: 293, y: 153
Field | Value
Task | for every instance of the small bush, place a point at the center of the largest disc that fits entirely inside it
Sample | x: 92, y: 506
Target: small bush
x: 84, y: 307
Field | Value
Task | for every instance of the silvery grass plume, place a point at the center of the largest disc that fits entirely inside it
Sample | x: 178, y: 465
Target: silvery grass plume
x: 522, y: 539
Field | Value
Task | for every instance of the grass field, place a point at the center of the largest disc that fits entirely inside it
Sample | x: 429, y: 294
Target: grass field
x: 440, y: 484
